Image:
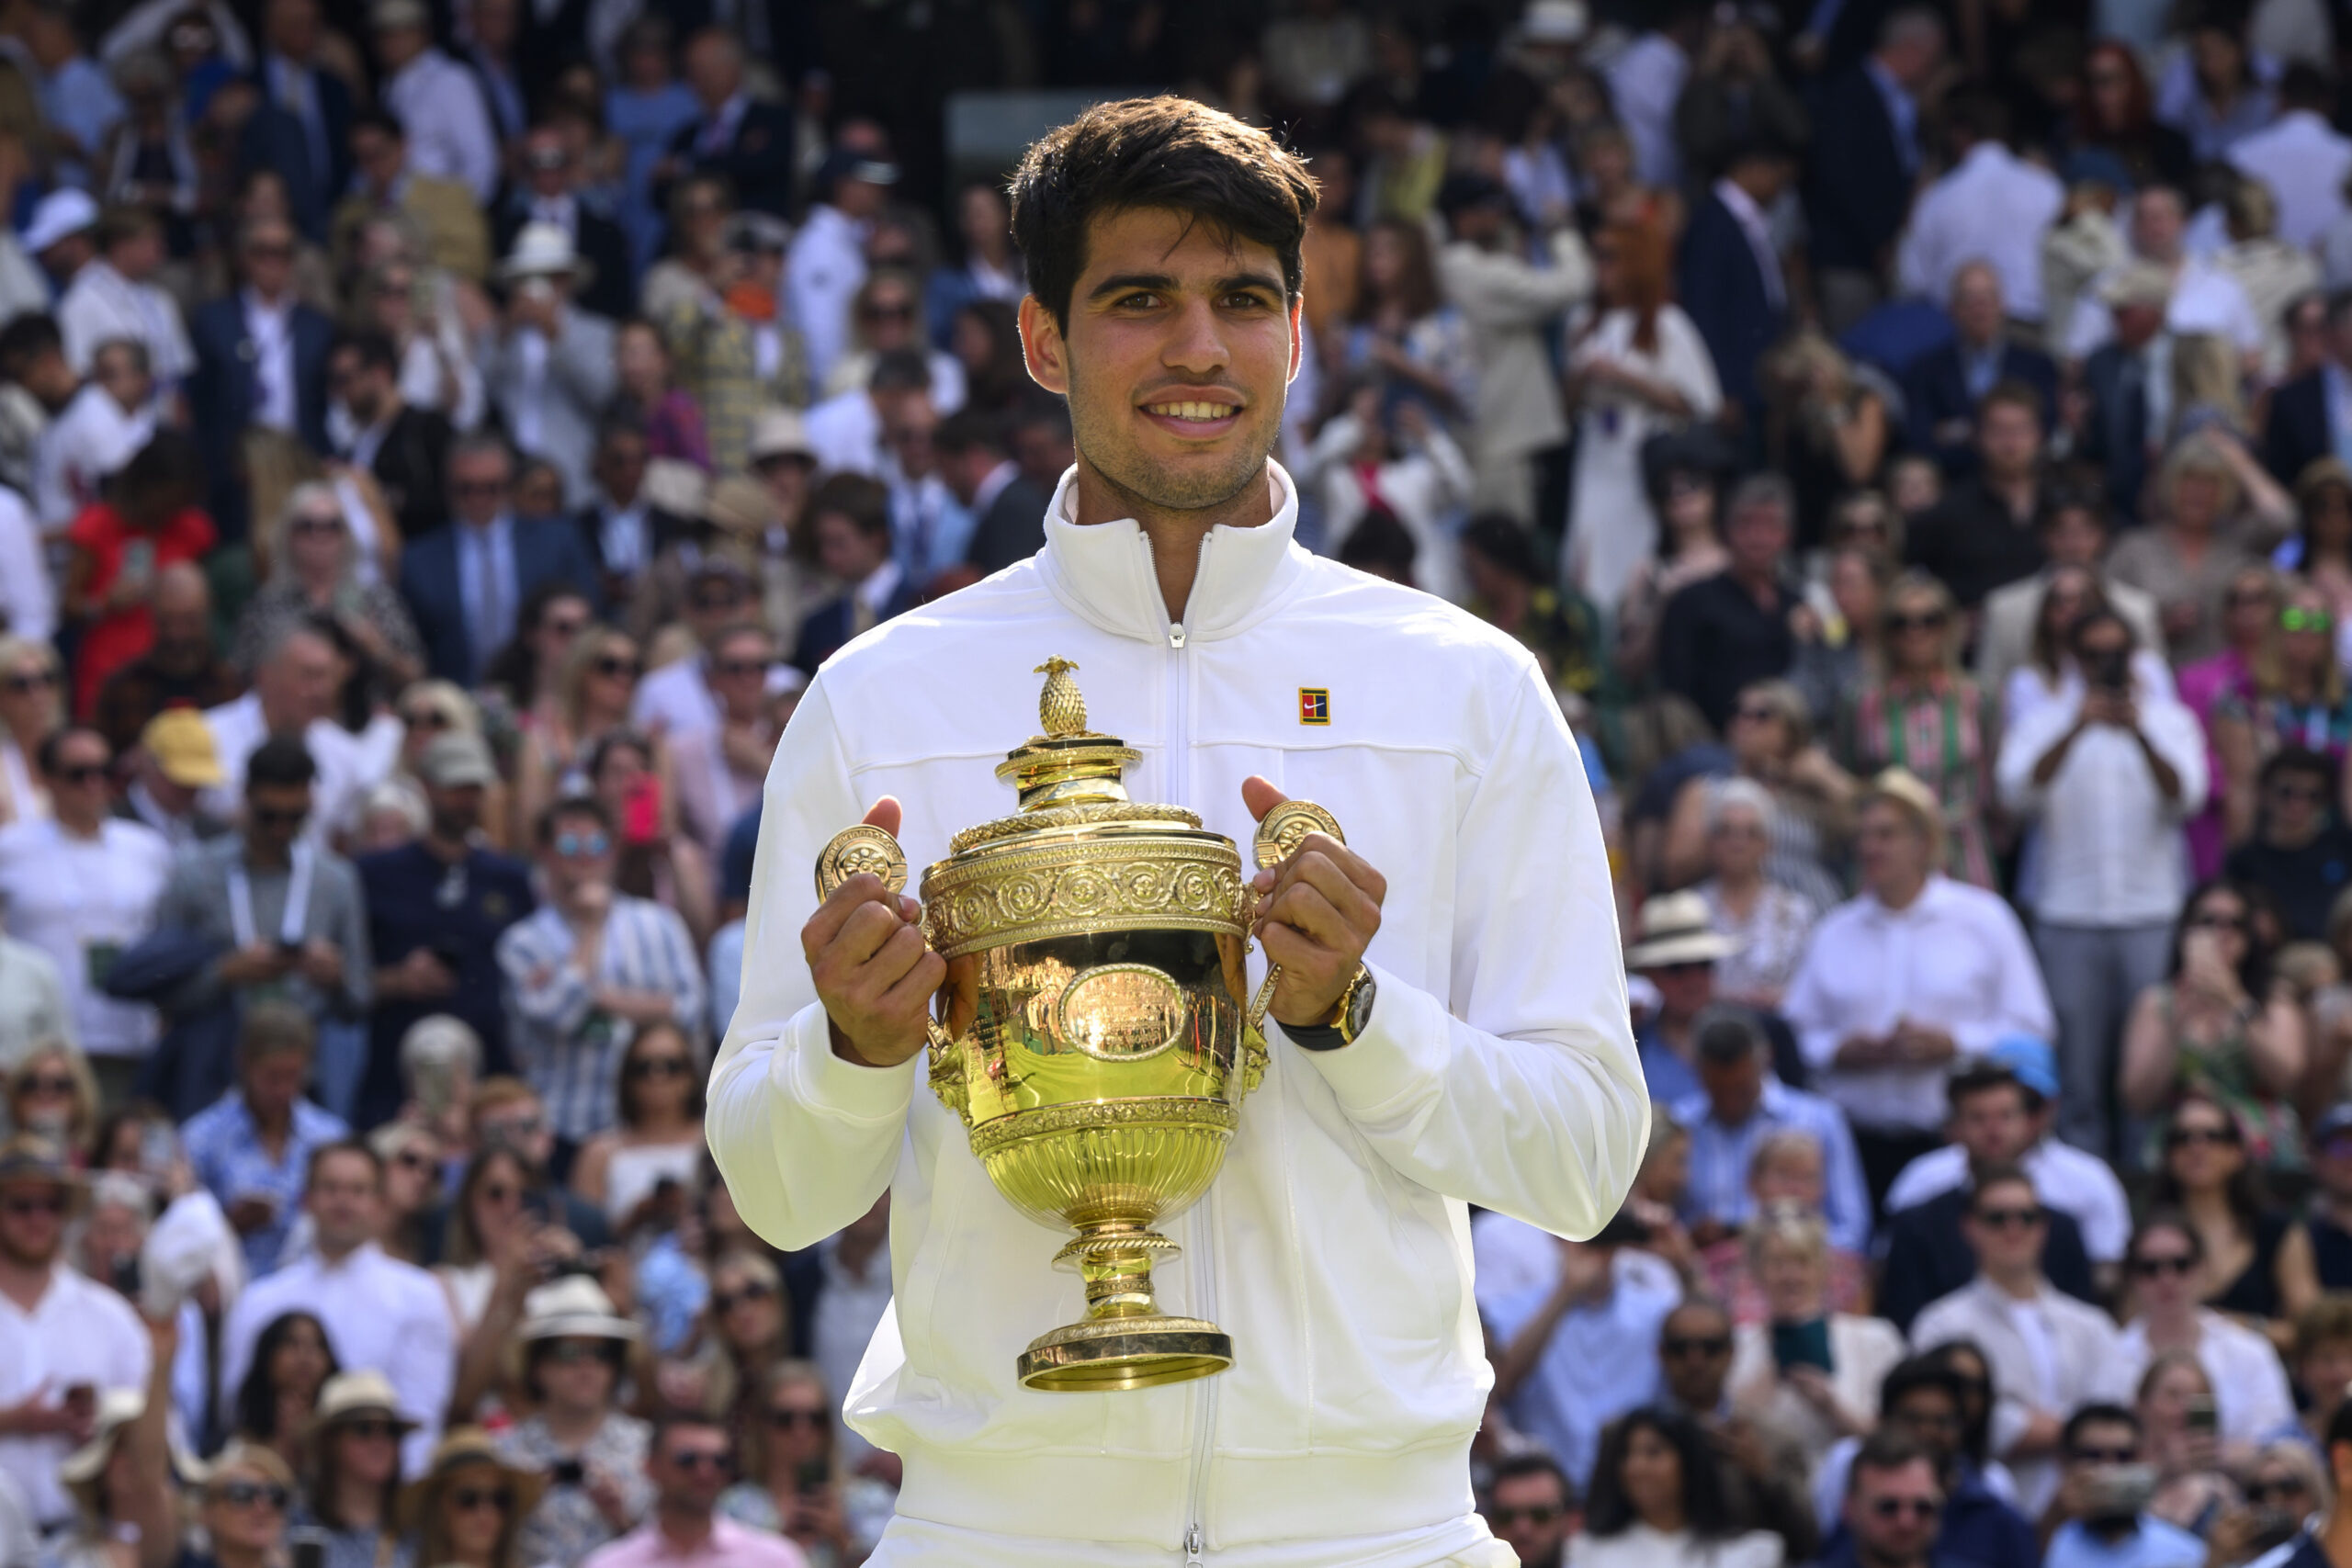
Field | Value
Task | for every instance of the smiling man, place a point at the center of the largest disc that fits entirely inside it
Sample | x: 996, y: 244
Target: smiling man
x: 1450, y: 1026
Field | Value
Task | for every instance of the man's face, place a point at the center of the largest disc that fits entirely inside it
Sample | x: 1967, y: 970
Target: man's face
x: 477, y: 484
x: 716, y: 600
x: 1684, y: 989
x: 50, y: 378
x: 395, y: 47
x: 137, y: 254
x: 275, y: 815
x: 1894, y: 1513
x: 1889, y: 848
x: 299, y: 684
x: 520, y: 1125
x: 273, y: 1084
x: 345, y: 1203
x: 1694, y: 1354
x: 738, y: 671
x: 2331, y: 1165
x: 32, y: 1222
x: 363, y: 387
x: 713, y: 71
x: 183, y: 620
x: 1932, y: 1418
x: 1179, y: 351
x: 293, y: 27
x: 1993, y: 1126
x: 2074, y: 538
x: 2293, y: 806
x: 457, y: 809
x: 2010, y: 439
x: 1733, y: 1088
x: 2005, y: 1227
x: 117, y: 371
x: 579, y: 851
x: 378, y: 156
x: 110, y: 1238
x: 2326, y: 1370
x: 888, y: 315
x: 547, y: 163
x: 846, y: 550
x: 79, y: 783
x: 1976, y: 305
x: 2102, y: 1445
x: 620, y: 467
x: 267, y: 256
x: 1757, y: 535
x: 1531, y: 1515
x: 909, y: 435
x: 2158, y: 223
x: 691, y: 1467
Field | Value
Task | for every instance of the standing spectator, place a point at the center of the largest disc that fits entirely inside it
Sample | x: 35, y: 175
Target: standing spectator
x: 2299, y: 156
x: 181, y: 669
x: 316, y: 579
x: 103, y: 426
x: 1509, y: 303
x: 1401, y: 330
x: 1723, y: 633
x: 747, y: 142
x: 626, y: 773
x: 1658, y: 1502
x: 626, y: 531
x: 403, y: 447
x: 572, y: 1348
x: 1744, y: 1102
x: 549, y: 191
x: 467, y: 583
x: 1991, y: 206
x: 2301, y: 854
x: 641, y: 1171
x: 849, y: 519
x: 1861, y: 182
x: 2296, y: 698
x: 1942, y: 388
x: 2274, y: 276
x: 468, y: 1506
x: 62, y: 1338
x: 826, y: 264
x: 586, y: 970
x: 291, y: 700
x: 436, y: 911
x: 690, y: 1460
x: 1675, y: 951
x: 2199, y: 297
x: 1899, y: 981
x: 1008, y: 512
x: 2247, y: 1384
x: 1727, y: 272
x: 116, y: 297
x: 2049, y: 1352
x: 148, y: 521
x: 380, y: 1315
x: 2110, y: 772
x: 356, y: 1482
x: 1763, y: 1471
x: 550, y: 370
x: 293, y: 74
x: 2124, y: 403
x: 251, y: 1148
x: 1981, y: 536
x: 598, y: 680
x: 174, y: 760
x: 2095, y: 1524
x: 82, y: 886
x: 1807, y: 1370
x: 261, y: 361
x: 1376, y: 457
x: 437, y: 100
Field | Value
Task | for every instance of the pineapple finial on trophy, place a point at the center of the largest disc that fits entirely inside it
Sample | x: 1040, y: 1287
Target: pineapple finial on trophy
x: 1060, y: 708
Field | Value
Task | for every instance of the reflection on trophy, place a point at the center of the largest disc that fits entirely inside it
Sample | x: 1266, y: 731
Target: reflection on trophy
x: 1095, y: 1040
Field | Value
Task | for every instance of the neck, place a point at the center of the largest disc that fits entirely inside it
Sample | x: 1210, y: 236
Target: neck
x: 2172, y: 1326
x: 265, y: 856
x: 683, y: 1527
x: 2209, y: 1210
x: 270, y: 1120
x: 446, y: 850
x: 1739, y: 887
x: 358, y: 1504
x: 1175, y: 535
x: 178, y: 658
x: 1903, y: 894
x: 2023, y: 1284
x: 2015, y: 490
x: 1665, y: 1521
x: 2336, y: 1536
x: 1871, y: 1557
x: 80, y: 824
x: 572, y: 1426
x: 1757, y: 577
x: 229, y: 1556
x: 24, y: 1282
x: 336, y: 1254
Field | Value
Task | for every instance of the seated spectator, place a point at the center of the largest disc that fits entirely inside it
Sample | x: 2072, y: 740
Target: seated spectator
x: 751, y: 1336
x: 1828, y: 420
x: 1681, y: 475
x: 355, y: 1483
x: 315, y: 575
x: 1676, y: 952
x: 1785, y: 1166
x: 628, y: 774
x: 643, y: 1171
x: 2262, y: 1271
x: 380, y: 1315
x: 2176, y: 1413
x: 1723, y: 633
x: 2074, y: 528
x: 721, y: 768
x: 1772, y: 745
x: 1807, y: 1371
x: 31, y: 704
x: 2249, y: 615
x: 1532, y: 1508
x: 2167, y: 1267
x: 251, y: 1148
x: 1762, y: 1469
x: 803, y: 1492
x: 1942, y: 388
x: 469, y: 1506
x: 2213, y: 505
x: 122, y: 1479
x: 2095, y: 1519
x: 247, y: 1498
x: 2320, y: 1361
x: 1980, y: 536
x: 2049, y: 1352
x: 2108, y: 773
x: 1899, y: 981
x: 1382, y: 451
x: 182, y: 667
x: 1508, y: 590
x: 2222, y: 1028
x: 1657, y: 1500
x: 1897, y: 1509
x: 688, y: 1465
x: 293, y: 699
x: 174, y: 761
x: 273, y: 1406
x: 150, y: 518
x: 2300, y: 853
x: 850, y: 520
x: 1769, y: 921
x: 1741, y: 1102
x: 1922, y: 1402
x: 572, y: 1349
x: 2283, y: 1484
x: 2329, y: 1210
x: 508, y: 1113
x: 53, y: 1095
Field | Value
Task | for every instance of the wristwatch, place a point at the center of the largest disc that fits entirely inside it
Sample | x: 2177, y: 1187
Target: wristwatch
x: 1346, y: 1020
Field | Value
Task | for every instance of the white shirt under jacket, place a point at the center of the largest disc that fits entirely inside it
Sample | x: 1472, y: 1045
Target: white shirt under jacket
x: 1499, y: 1068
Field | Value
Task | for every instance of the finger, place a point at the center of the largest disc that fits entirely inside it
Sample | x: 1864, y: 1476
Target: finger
x: 885, y: 814
x: 1357, y: 905
x: 891, y: 963
x: 914, y: 989
x: 1354, y: 866
x: 851, y: 895
x: 869, y: 927
x: 1261, y: 796
x: 1304, y: 909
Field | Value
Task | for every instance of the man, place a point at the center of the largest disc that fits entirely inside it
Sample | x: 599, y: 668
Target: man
x: 293, y: 691
x: 82, y: 886
x: 748, y: 141
x: 2099, y: 1517
x: 172, y: 763
x: 622, y: 527
x: 251, y: 1148
x: 1675, y: 950
x: 507, y: 1113
x: 1721, y: 634
x: 63, y: 236
x: 2306, y: 411
x: 182, y: 669
x: 64, y: 1339
x: 465, y: 583
x: 1006, y: 509
x: 1981, y: 536
x: 1728, y: 269
x: 1859, y: 184
x: 292, y: 77
x: 2203, y: 298
x: 1741, y: 1100
x: 2300, y: 157
x: 1173, y: 332
x: 850, y: 517
x: 116, y: 297
x: 845, y: 431
x: 261, y: 361
x: 445, y: 211
x: 825, y: 266
x: 2049, y: 1352
x: 2124, y: 403
x: 550, y: 193
x: 381, y: 1315
x: 1990, y: 207
x: 1532, y: 1508
x: 33, y: 1008
x: 549, y: 368
x: 77, y: 97
x: 2300, y: 853
x: 436, y: 910
x: 1763, y: 1468
x: 1943, y: 386
x: 584, y: 972
x: 1923, y: 1401
x: 1509, y: 304
x: 928, y: 529
x: 2110, y: 772
x: 2326, y: 1542
x: 35, y: 385
x: 691, y: 1464
x: 2002, y: 1110
x: 406, y: 449
x: 1893, y: 1506
x: 678, y: 697
x: 2073, y: 531
x: 111, y: 417
x: 436, y: 99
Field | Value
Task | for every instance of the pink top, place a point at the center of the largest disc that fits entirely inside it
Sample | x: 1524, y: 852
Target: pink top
x: 729, y: 1545
x: 2202, y: 686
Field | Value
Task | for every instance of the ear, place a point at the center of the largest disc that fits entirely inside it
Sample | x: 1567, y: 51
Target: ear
x: 1041, y: 348
x: 1297, y: 336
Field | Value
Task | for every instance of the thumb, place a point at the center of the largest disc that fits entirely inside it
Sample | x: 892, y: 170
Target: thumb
x: 886, y: 815
x: 1257, y: 795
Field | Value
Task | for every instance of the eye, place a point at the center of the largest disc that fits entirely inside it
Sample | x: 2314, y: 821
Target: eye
x: 1139, y: 301
x: 1247, y: 301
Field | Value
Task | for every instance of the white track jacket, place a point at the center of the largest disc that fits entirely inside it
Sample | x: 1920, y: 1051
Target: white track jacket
x: 1499, y: 1068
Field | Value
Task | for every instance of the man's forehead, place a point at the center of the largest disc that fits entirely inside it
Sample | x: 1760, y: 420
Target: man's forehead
x: 1170, y: 240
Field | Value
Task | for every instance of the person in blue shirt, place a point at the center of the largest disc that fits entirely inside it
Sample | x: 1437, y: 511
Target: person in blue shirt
x: 2102, y: 1500
x: 1676, y: 952
x: 251, y: 1148
x: 2327, y: 1540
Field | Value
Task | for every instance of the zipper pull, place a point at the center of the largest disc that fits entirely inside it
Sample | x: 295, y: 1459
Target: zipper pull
x: 1192, y: 1548
x: 1176, y: 634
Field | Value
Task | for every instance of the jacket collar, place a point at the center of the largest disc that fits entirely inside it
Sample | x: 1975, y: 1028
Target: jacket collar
x: 1102, y: 573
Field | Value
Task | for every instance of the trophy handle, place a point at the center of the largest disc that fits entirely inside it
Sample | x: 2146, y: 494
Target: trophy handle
x: 947, y: 1070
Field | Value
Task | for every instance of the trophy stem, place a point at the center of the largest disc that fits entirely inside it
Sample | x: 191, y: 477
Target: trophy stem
x: 1124, y: 1341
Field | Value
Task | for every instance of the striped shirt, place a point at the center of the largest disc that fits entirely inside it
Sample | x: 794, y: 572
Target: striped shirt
x: 1720, y: 1155
x: 570, y: 1048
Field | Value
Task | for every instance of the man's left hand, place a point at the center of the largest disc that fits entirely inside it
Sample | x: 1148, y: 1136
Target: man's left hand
x: 1315, y: 912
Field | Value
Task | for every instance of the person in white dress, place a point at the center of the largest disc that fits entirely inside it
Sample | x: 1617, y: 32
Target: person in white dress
x: 645, y: 1168
x: 1639, y: 370
x: 1658, y: 1502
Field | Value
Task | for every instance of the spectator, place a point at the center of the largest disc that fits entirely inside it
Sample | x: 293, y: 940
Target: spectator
x: 2205, y: 1174
x: 643, y: 1171
x: 66, y: 1337
x: 246, y: 1499
x: 2296, y: 698
x: 2049, y: 1352
x: 1368, y: 459
x: 884, y: 319
x: 148, y: 521
x: 2286, y: 1485
x: 751, y: 1318
x: 2221, y: 1028
x: 1990, y: 205
x: 1807, y: 1370
x: 690, y: 1460
x: 1723, y: 633
x: 318, y: 575
x: 33, y: 1007
x: 2328, y: 1211
x: 1761, y: 1467
x: 550, y: 191
x: 1681, y: 475
x: 1981, y: 536
x: 826, y: 264
x: 116, y: 297
x: 414, y: 1179
x: 1854, y: 202
x: 850, y: 518
x: 625, y: 530
x: 261, y: 361
x: 2201, y: 498
x: 1532, y: 1507
x: 2051, y: 678
x: 2321, y: 547
x: 720, y: 768
x: 2200, y: 298
x: 2073, y: 531
x: 468, y: 1506
x: 379, y: 1316
x: 1928, y: 1401
x: 292, y: 1364
x: 1728, y: 272
x: 2099, y: 1514
x: 1008, y: 510
x: 1768, y: 919
x: 1742, y: 1102
x: 436, y: 911
x: 253, y: 1148
x: 30, y: 684
x: 2167, y: 1266
x: 51, y: 1093
x: 572, y: 1349
x: 1773, y: 747
x: 1510, y: 591
x: 1895, y: 1503
x: 804, y: 1494
x: 1657, y: 1499
x: 467, y: 583
x: 2301, y: 854
x: 678, y: 697
x: 291, y: 700
x: 354, y: 1484
x: 105, y: 425
x: 437, y: 101
x: 595, y: 686
x: 550, y: 371
x: 1676, y: 952
x: 1942, y: 388
x: 2274, y: 273
x: 404, y: 447
x: 182, y: 668
x: 654, y: 861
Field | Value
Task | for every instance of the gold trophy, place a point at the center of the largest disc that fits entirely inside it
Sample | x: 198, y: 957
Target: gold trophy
x: 1094, y: 1041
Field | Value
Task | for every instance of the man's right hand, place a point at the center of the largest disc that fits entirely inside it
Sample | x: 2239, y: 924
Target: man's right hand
x: 254, y: 964
x: 422, y: 973
x: 873, y: 971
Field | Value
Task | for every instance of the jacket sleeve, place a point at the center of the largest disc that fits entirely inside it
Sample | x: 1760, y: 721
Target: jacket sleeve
x: 1496, y: 290
x: 1522, y: 1091
x: 805, y: 1140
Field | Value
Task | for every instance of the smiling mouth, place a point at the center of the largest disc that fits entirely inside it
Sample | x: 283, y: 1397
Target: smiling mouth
x: 1198, y: 414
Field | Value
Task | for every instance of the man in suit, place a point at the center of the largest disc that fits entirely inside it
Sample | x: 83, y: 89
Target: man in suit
x: 621, y: 528
x: 404, y: 449
x: 1944, y: 386
x: 465, y: 582
x: 851, y: 516
x: 747, y: 141
x: 549, y: 193
x: 2303, y: 412
x: 2126, y: 392
x: 549, y: 371
x: 1008, y: 512
x: 1727, y: 274
x: 1866, y: 155
x: 261, y: 359
x: 290, y: 77
x: 445, y: 211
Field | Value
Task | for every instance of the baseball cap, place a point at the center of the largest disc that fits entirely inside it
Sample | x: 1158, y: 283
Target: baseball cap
x: 181, y: 743
x: 61, y: 215
x: 842, y: 163
x: 390, y: 16
x: 456, y: 758
x: 2029, y: 1060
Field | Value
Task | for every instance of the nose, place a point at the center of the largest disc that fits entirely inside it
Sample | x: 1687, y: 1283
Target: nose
x: 1197, y: 340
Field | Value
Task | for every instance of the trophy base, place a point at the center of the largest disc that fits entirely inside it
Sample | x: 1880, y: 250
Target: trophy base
x: 1107, y: 1354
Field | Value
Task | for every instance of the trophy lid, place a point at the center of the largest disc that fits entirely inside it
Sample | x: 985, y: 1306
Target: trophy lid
x: 1068, y: 775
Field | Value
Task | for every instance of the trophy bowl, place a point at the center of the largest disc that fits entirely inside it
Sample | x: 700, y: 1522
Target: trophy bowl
x: 1093, y: 1035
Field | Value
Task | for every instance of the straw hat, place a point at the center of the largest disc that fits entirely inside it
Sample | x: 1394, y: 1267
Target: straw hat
x: 349, y: 1395
x: 1675, y: 929
x: 85, y: 1467
x: 461, y: 1449
x: 26, y: 1160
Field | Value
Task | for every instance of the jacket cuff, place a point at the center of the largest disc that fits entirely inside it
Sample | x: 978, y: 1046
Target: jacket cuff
x: 806, y: 1070
x: 1396, y: 1062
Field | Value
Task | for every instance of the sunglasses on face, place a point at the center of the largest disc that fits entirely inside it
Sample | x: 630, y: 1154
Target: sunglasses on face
x: 1918, y: 621
x: 31, y: 680
x: 247, y: 1493
x: 567, y: 625
x: 278, y: 816
x: 427, y: 718
x: 23, y: 1208
x: 711, y: 603
x: 497, y: 1192
x: 1708, y: 1345
x: 477, y: 487
x: 1757, y: 713
x: 785, y: 1420
x: 1537, y: 1513
x: 466, y: 1499
x: 2300, y: 620
x: 2291, y: 794
x: 2282, y: 1486
x: 2161, y: 1268
x: 573, y: 845
x: 737, y: 667
x: 45, y: 1084
x: 2010, y: 1219
x: 571, y: 1352
x: 2217, y: 923
x: 371, y: 1430
x: 657, y: 1067
x: 702, y: 1459
x: 2186, y: 1137
x: 409, y: 1160
x: 724, y: 1301
x: 613, y: 666
x: 315, y: 526
x: 81, y: 772
x: 2101, y: 1456
x: 1897, y: 1508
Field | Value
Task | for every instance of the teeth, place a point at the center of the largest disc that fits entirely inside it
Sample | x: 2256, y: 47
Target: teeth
x: 1193, y: 411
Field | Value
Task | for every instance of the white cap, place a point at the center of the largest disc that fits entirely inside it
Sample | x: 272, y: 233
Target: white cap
x: 61, y: 215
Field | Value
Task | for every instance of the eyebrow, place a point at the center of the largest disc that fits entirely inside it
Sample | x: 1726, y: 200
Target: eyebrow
x: 1129, y: 282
